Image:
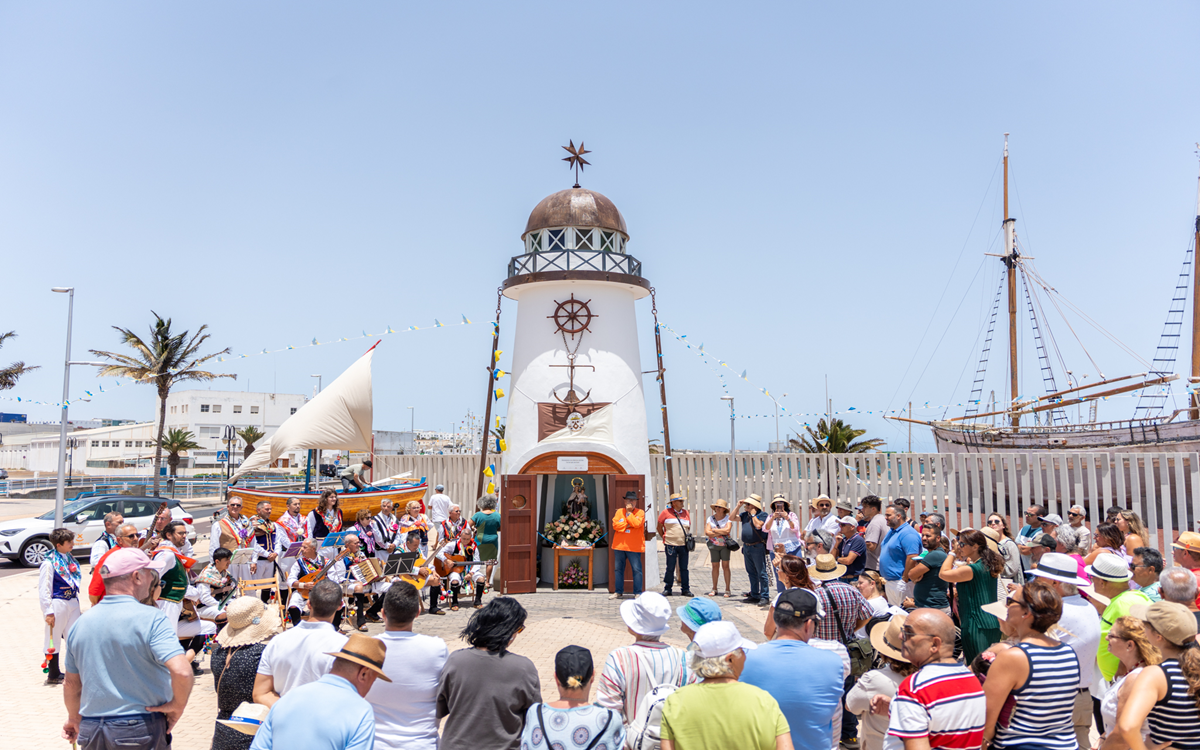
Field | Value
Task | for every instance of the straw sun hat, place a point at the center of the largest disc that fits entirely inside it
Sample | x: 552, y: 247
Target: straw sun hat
x: 720, y: 503
x: 826, y: 568
x: 249, y: 622
x: 885, y: 637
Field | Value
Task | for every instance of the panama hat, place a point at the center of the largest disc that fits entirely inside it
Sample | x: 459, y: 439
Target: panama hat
x: 676, y: 496
x: 719, y: 503
x: 249, y: 621
x: 1109, y: 567
x: 247, y: 717
x: 1188, y: 541
x: 993, y: 538
x: 754, y: 500
x: 365, y: 651
x: 819, y: 498
x: 826, y: 568
x: 885, y: 636
x: 1058, y: 567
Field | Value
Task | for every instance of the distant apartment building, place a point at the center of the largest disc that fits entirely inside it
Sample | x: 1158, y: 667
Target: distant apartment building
x: 129, y: 447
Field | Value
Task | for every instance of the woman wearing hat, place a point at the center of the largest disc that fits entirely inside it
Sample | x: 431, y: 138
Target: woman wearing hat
x: 974, y: 577
x: 885, y: 637
x: 235, y: 658
x: 558, y: 723
x: 783, y: 533
x: 718, y: 529
x: 1040, y: 675
x: 1166, y: 695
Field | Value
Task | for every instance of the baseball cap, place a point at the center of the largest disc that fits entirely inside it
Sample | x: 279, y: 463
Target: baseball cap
x: 1045, y: 540
x: 848, y: 521
x: 699, y: 611
x: 719, y: 638
x: 1174, y: 622
x: 439, y: 488
x: 123, y: 562
x: 799, y: 603
x: 1053, y: 518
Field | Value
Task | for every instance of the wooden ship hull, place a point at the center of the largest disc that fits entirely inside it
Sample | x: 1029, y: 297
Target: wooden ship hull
x: 1143, y: 436
x: 350, y: 502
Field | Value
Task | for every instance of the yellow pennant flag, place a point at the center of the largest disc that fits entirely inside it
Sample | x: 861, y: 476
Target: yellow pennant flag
x: 491, y: 488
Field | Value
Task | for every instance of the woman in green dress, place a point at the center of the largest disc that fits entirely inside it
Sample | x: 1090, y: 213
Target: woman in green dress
x: 487, y: 533
x: 973, y: 568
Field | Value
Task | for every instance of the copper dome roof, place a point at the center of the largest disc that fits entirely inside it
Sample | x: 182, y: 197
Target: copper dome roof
x: 576, y: 207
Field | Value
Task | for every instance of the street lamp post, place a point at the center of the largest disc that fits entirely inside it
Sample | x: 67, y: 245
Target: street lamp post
x: 412, y: 426
x: 313, y: 458
x: 60, y: 490
x: 732, y: 450
x: 778, y: 408
x: 72, y: 443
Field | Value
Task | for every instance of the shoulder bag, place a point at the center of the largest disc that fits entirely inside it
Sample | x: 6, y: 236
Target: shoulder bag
x: 862, y: 653
x: 689, y: 541
x: 595, y: 740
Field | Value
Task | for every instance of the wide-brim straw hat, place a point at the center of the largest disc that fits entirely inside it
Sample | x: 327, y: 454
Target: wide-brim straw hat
x: 885, y: 637
x: 782, y: 499
x: 754, y: 500
x: 993, y: 538
x: 818, y: 499
x: 365, y: 651
x: 719, y: 503
x: 247, y: 718
x: 249, y: 621
x: 1188, y: 541
x: 826, y: 568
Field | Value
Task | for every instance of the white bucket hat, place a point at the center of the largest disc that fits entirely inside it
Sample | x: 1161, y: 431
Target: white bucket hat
x: 1058, y: 567
x: 715, y: 639
x: 647, y: 614
x: 1110, y: 567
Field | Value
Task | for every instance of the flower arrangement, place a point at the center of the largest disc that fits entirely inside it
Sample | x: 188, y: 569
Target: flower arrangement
x: 574, y: 577
x: 574, y: 532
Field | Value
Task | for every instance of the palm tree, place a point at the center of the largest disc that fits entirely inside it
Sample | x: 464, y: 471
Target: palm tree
x: 10, y: 374
x: 164, y: 359
x: 251, y: 435
x: 835, y: 437
x: 655, y: 449
x: 177, y: 441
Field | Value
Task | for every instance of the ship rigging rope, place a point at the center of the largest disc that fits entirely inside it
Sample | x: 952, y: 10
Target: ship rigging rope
x: 946, y: 288
x: 1054, y: 293
x: 1041, y: 320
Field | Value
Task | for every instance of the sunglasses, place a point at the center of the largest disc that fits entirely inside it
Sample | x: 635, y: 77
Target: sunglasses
x: 134, y: 535
x: 995, y: 522
x: 1010, y: 601
x: 1075, y: 515
x: 521, y: 629
x: 908, y: 634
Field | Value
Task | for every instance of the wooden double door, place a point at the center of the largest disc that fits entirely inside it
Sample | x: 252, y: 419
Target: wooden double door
x: 518, y: 528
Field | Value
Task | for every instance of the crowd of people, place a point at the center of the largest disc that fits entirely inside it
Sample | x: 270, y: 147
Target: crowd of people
x: 882, y: 633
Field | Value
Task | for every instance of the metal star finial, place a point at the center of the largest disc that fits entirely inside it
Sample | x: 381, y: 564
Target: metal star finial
x: 576, y: 159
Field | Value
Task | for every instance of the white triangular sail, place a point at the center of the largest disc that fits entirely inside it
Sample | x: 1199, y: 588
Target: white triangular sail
x: 339, y: 418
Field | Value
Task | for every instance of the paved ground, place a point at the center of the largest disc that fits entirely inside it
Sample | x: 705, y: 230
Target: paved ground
x: 555, y: 620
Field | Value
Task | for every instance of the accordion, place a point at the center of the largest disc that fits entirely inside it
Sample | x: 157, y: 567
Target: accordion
x: 369, y: 569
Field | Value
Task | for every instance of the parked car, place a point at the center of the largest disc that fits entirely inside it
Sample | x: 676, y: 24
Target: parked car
x: 3, y: 474
x: 27, y: 540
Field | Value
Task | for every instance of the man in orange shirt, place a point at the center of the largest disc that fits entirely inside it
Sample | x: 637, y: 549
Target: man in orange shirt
x: 628, y: 543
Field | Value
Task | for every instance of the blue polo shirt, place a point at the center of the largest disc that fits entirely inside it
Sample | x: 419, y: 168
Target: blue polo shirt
x: 119, y: 649
x: 328, y: 714
x: 895, y: 549
x: 808, y: 702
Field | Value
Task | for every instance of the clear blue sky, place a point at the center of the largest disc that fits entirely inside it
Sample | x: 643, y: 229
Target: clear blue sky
x: 799, y: 181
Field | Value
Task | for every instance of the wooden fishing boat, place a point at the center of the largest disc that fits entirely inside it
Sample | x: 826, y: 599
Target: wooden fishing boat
x: 350, y: 502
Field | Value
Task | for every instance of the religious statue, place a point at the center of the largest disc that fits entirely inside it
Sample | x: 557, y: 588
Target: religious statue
x: 577, y: 503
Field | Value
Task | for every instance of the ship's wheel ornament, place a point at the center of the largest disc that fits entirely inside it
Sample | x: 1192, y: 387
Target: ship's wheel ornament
x: 572, y: 316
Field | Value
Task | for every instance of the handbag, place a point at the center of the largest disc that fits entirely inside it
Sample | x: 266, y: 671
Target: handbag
x: 862, y: 653
x: 689, y: 541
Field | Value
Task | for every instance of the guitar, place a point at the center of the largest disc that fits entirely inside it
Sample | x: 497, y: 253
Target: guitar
x: 456, y: 564
x: 319, y: 575
x: 417, y: 581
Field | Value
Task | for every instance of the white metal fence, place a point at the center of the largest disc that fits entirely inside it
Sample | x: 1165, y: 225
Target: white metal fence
x: 1163, y: 488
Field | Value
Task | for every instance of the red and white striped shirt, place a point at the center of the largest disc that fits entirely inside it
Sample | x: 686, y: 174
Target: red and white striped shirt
x: 943, y: 702
x: 632, y: 671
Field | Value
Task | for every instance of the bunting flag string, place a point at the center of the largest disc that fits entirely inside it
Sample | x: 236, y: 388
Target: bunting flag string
x: 714, y: 363
x: 315, y: 342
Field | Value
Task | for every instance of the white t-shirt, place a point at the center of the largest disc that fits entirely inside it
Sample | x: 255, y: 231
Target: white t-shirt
x: 439, y: 508
x: 406, y: 707
x: 298, y: 656
x: 828, y: 523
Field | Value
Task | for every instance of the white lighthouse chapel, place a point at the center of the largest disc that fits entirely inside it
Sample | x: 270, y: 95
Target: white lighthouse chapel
x: 576, y: 428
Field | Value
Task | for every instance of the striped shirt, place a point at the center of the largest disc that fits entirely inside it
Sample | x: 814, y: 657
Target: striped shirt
x: 1041, y: 716
x: 632, y: 671
x: 1175, y: 718
x: 943, y: 702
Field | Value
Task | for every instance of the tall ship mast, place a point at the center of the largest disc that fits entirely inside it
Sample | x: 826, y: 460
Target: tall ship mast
x: 1043, y: 422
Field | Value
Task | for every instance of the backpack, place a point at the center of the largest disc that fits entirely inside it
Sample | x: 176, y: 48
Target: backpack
x: 645, y: 731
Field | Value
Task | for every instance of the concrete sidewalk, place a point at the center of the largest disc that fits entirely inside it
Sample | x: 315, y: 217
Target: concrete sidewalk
x: 555, y: 620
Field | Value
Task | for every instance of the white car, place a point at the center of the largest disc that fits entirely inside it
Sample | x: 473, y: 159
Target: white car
x: 27, y: 540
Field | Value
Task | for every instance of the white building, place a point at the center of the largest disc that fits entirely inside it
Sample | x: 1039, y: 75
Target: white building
x: 129, y: 448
